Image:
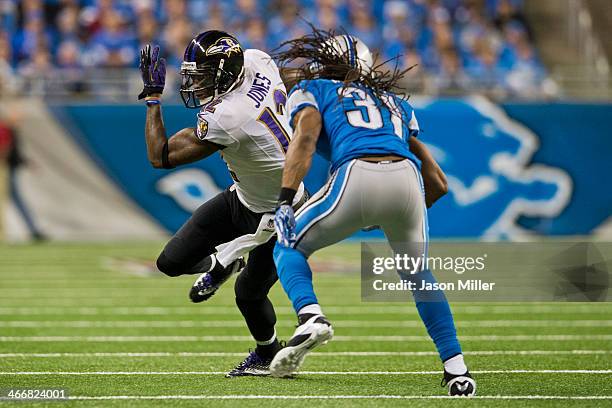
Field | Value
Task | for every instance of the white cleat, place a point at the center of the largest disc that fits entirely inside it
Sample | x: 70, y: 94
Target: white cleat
x: 315, y: 331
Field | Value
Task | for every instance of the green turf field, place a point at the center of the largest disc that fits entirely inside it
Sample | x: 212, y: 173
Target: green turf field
x: 91, y: 318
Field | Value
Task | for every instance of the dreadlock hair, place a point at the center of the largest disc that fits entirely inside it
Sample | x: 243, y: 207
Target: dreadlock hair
x: 318, y: 59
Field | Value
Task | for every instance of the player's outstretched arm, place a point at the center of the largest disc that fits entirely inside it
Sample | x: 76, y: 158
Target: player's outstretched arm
x: 434, y: 178
x: 307, y: 127
x: 182, y: 148
x: 155, y: 134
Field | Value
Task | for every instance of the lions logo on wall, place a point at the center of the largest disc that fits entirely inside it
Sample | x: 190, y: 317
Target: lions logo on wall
x: 492, y: 178
x: 224, y: 45
x: 190, y: 187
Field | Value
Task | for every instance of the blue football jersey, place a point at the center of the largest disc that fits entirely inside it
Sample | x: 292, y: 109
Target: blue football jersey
x: 355, y: 124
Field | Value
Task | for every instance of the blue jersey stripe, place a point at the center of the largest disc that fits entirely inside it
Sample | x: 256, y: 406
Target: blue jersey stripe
x: 425, y: 226
x: 319, y: 209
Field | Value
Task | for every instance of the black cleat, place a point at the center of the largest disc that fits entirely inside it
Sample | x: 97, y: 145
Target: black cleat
x: 253, y: 365
x: 459, y: 385
x: 207, y: 283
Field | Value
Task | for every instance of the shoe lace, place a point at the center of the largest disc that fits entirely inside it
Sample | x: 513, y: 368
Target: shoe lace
x: 205, y: 283
x: 252, y: 359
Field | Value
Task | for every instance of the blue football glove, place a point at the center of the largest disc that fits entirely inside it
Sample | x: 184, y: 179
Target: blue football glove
x: 284, y: 223
x: 153, y: 70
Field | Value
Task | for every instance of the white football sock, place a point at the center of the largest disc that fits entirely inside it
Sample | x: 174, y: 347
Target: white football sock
x: 267, y: 342
x: 455, y: 365
x: 311, y: 309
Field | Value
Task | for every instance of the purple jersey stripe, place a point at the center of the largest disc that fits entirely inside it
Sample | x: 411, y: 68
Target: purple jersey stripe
x: 278, y: 131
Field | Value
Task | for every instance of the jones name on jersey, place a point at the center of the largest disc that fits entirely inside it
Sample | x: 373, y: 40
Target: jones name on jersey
x: 252, y: 126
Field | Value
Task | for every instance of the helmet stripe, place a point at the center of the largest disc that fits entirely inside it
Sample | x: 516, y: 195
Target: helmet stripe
x: 194, y: 45
x: 191, y: 50
x: 351, y: 49
x: 348, y: 48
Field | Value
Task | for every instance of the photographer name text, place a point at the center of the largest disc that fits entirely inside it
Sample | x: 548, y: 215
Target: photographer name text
x: 473, y: 285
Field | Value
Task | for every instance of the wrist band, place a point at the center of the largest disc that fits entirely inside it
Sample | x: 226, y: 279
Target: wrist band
x: 151, y: 102
x: 286, y: 196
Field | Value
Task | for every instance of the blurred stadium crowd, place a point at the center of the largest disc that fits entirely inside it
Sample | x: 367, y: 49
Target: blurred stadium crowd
x: 78, y: 47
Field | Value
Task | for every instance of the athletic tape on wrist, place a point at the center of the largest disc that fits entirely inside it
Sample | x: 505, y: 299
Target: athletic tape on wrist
x: 286, y: 196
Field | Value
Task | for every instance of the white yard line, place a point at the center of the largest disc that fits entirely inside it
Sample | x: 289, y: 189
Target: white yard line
x: 365, y: 310
x: 520, y: 337
x: 338, y: 323
x: 315, y: 354
x: 85, y: 373
x: 332, y: 397
x: 122, y: 323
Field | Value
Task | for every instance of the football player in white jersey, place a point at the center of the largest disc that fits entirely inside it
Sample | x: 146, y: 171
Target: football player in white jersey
x: 241, y: 98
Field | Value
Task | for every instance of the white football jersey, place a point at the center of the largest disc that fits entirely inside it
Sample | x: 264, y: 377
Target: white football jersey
x: 251, y: 123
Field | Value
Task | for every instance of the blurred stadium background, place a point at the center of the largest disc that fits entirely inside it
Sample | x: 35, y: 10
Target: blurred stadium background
x: 505, y: 48
x: 513, y: 96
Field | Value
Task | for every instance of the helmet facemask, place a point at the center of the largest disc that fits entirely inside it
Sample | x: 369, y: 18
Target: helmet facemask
x: 202, y: 85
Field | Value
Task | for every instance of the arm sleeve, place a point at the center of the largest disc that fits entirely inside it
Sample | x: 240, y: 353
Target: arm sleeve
x: 302, y: 95
x: 413, y: 123
x: 209, y: 129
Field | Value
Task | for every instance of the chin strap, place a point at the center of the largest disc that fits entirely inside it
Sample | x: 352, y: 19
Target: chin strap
x: 237, y: 82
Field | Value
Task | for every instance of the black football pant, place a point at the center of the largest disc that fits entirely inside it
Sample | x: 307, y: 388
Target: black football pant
x: 219, y: 220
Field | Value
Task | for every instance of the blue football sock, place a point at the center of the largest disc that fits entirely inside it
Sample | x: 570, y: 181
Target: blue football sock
x: 295, y: 275
x: 436, y: 315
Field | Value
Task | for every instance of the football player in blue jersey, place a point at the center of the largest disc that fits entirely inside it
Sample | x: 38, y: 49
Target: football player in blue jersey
x: 345, y: 108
